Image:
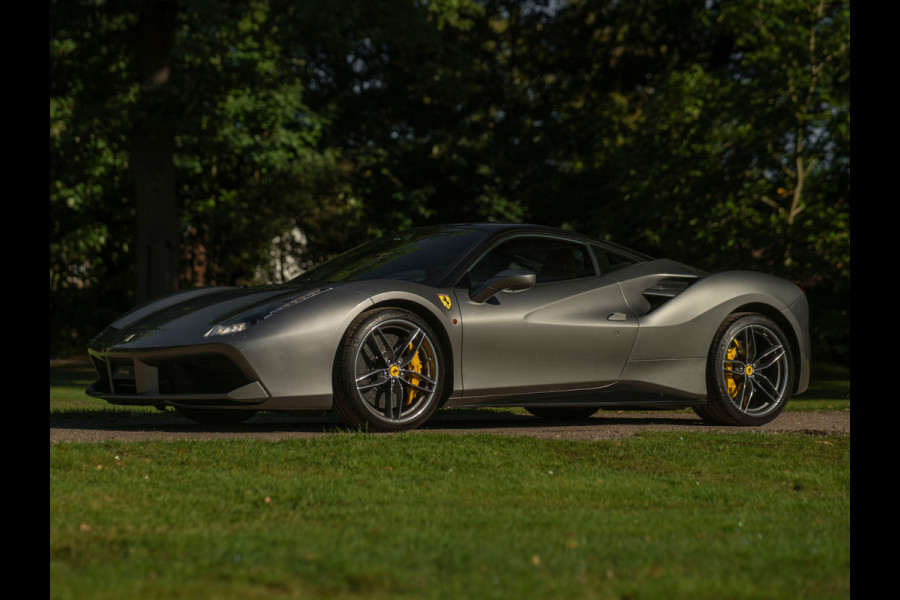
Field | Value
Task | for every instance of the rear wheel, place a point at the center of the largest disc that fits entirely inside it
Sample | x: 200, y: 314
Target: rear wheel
x: 390, y: 372
x: 750, y: 372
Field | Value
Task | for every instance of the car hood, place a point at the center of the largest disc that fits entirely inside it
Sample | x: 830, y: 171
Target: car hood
x: 194, y: 311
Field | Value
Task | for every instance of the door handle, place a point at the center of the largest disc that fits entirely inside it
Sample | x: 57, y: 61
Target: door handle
x: 616, y: 316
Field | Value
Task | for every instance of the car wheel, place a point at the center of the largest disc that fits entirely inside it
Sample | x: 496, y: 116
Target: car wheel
x: 390, y: 372
x: 211, y: 416
x: 562, y: 413
x: 750, y: 372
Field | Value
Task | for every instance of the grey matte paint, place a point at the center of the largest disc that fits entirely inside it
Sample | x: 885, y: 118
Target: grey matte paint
x: 593, y: 340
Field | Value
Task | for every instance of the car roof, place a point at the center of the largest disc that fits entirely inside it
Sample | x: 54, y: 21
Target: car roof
x: 495, y: 229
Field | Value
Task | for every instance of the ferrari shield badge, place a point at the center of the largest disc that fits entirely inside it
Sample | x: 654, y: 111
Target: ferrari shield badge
x: 445, y: 300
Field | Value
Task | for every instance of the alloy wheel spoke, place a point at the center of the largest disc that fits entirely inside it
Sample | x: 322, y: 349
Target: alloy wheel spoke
x: 427, y: 389
x: 749, y: 344
x: 369, y: 386
x: 387, y: 394
x: 386, y: 351
x: 766, y: 387
x: 770, y: 357
x: 746, y: 394
x: 731, y: 369
x: 411, y: 347
x: 363, y: 377
x: 374, y: 353
x: 387, y: 391
x: 397, y: 393
x: 368, y: 357
x: 379, y: 395
x: 418, y: 375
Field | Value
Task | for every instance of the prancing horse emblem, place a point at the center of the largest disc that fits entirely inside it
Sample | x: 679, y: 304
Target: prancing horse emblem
x: 445, y: 300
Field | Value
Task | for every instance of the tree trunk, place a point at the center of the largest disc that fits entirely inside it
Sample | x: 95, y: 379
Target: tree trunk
x: 157, y: 235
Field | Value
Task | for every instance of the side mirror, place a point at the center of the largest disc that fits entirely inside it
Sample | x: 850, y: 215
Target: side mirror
x: 504, y: 281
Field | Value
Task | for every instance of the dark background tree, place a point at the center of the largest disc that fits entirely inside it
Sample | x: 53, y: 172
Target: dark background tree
x: 153, y: 145
x: 248, y: 139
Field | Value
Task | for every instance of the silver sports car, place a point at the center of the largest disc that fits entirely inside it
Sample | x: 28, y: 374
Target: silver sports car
x: 468, y: 315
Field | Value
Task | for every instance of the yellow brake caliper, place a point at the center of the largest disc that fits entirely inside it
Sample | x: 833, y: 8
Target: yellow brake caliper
x: 731, y: 354
x: 414, y: 365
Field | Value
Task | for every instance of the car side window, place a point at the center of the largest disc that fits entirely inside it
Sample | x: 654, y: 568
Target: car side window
x: 549, y: 258
x: 611, y: 261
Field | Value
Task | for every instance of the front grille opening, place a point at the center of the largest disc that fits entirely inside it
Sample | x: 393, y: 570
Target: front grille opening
x: 200, y: 375
x: 121, y: 371
x: 102, y: 384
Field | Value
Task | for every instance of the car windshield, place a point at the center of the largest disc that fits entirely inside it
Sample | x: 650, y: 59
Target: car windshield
x: 418, y: 255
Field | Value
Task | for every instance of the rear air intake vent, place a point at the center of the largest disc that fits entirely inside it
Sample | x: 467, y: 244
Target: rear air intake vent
x: 666, y: 289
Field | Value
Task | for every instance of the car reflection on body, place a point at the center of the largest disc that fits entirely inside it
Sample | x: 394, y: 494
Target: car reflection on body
x: 468, y: 315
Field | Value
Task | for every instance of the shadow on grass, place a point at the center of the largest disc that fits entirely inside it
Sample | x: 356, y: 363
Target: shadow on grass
x: 151, y: 420
x: 822, y: 393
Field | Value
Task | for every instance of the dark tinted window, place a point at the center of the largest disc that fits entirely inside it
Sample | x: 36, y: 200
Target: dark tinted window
x: 609, y: 260
x: 421, y: 256
x: 550, y: 259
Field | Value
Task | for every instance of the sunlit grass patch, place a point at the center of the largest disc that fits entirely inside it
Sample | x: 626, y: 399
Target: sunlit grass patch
x: 433, y: 515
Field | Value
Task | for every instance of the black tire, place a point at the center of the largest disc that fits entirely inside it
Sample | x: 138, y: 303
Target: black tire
x: 562, y: 413
x: 749, y: 373
x: 212, y: 416
x: 389, y: 374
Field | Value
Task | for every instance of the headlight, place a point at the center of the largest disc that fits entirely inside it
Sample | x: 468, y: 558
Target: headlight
x: 223, y: 329
x: 248, y: 319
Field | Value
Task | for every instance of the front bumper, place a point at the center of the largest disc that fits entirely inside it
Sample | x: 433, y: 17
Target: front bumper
x: 185, y: 377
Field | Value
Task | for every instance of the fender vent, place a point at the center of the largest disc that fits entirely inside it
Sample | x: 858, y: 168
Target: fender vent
x: 666, y: 289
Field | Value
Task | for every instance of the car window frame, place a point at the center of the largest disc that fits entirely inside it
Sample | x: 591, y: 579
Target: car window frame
x: 585, y: 246
x: 605, y: 266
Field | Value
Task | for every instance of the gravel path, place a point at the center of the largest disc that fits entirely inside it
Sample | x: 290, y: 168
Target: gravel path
x: 270, y: 426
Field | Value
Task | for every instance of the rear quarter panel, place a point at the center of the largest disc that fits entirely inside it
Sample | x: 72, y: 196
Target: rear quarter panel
x: 683, y: 328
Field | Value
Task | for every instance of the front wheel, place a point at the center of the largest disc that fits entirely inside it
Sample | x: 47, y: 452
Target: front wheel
x: 389, y: 374
x: 750, y: 372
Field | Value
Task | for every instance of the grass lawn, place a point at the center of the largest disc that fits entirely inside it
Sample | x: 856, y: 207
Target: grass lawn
x: 428, y: 515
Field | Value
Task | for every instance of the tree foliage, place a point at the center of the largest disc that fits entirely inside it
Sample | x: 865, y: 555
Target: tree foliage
x: 714, y: 132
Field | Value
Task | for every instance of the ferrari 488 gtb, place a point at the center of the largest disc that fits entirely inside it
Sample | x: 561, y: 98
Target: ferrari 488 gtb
x: 468, y: 315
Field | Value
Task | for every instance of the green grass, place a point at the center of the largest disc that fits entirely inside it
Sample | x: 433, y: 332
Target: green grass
x: 829, y: 389
x: 436, y: 516
x: 67, y: 397
x: 430, y: 515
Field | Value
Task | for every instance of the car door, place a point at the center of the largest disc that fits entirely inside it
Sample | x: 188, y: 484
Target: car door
x: 572, y: 330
